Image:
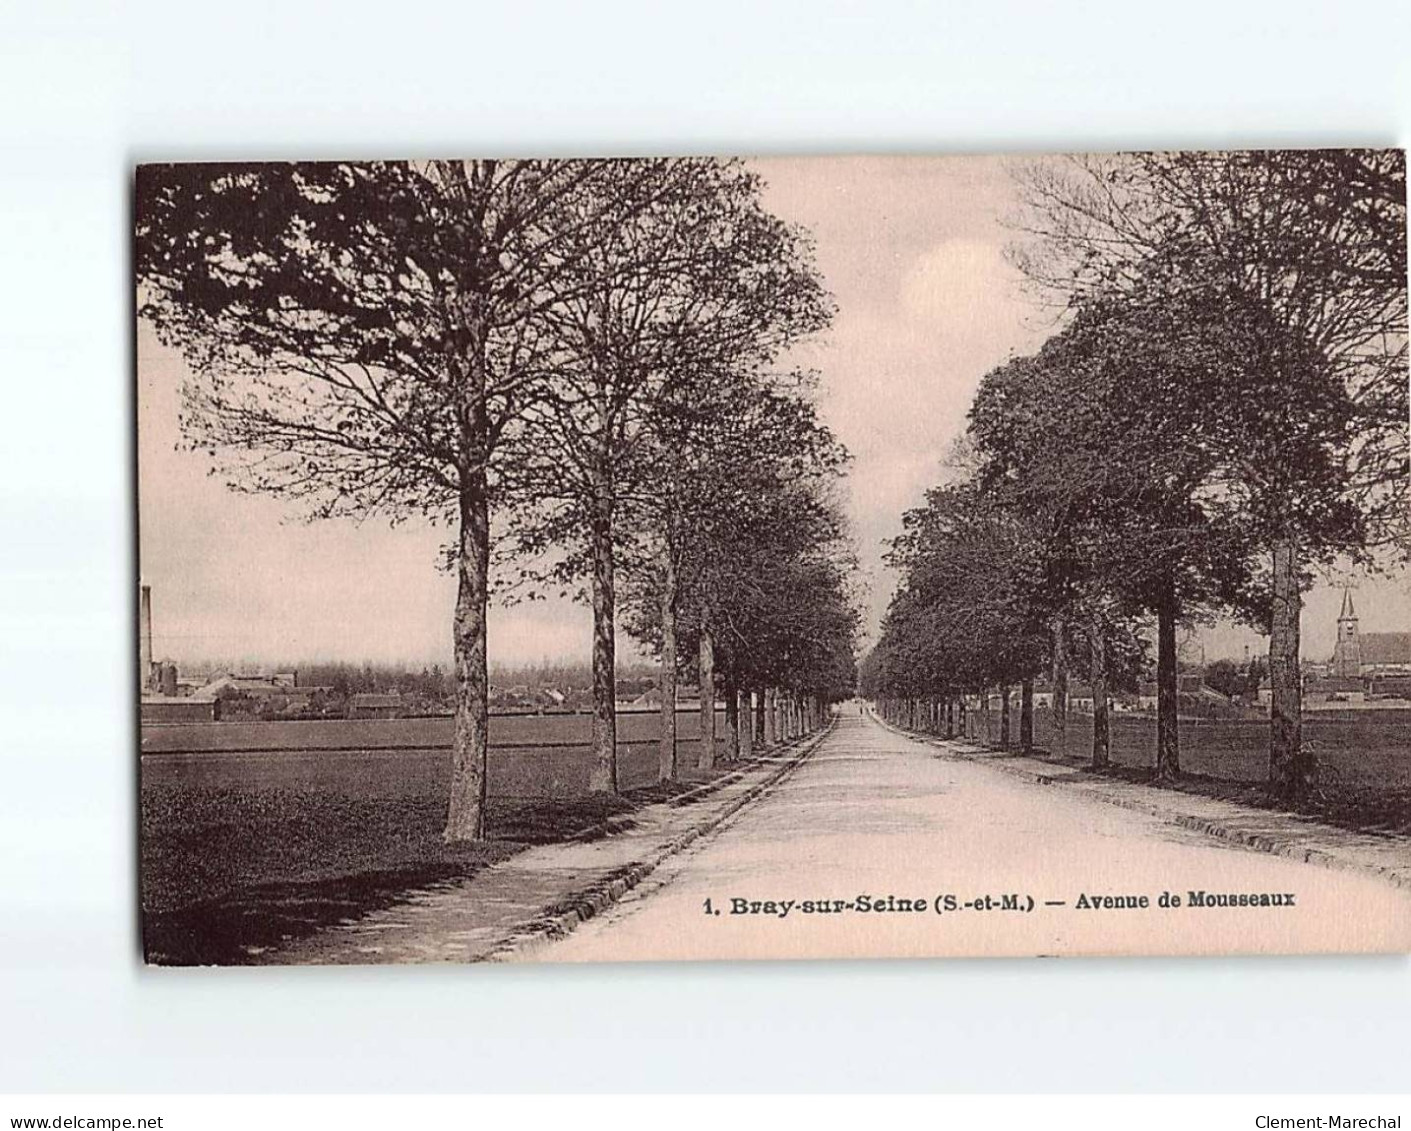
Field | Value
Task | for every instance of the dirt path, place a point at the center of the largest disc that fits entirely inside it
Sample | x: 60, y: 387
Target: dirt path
x: 875, y: 814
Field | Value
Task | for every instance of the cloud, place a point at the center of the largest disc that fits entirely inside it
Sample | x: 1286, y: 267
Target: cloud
x: 966, y: 293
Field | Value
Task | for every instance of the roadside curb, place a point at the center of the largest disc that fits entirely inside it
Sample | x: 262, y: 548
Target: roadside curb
x: 1217, y: 828
x: 594, y: 900
x: 622, y: 822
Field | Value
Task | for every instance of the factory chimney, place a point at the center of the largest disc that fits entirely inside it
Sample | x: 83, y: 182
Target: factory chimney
x: 144, y: 639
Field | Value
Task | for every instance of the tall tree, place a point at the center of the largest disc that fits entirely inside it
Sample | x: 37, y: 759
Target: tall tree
x: 740, y: 506
x: 1111, y: 462
x: 739, y: 463
x: 364, y: 340
x: 700, y: 280
x: 1304, y: 251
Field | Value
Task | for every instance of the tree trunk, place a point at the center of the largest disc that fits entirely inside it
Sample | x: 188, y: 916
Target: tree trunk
x: 732, y: 721
x: 1026, y: 715
x: 1004, y: 717
x: 771, y: 720
x: 746, y: 717
x: 760, y: 733
x: 1060, y: 686
x: 1168, y: 750
x: 465, y: 817
x: 668, y: 767
x: 603, y: 777
x: 706, y: 760
x: 1291, y: 767
x: 1102, y: 735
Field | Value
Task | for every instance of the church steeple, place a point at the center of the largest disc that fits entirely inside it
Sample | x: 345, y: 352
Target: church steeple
x: 1347, y: 652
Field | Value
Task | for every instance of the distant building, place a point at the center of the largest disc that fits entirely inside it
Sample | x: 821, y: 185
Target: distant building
x: 163, y: 696
x: 1080, y: 696
x: 1347, y: 652
x: 262, y: 689
x: 525, y: 699
x: 1357, y: 654
x: 1186, y: 684
x: 253, y: 686
x: 1334, y: 690
x: 1389, y: 687
x: 1386, y: 653
x: 144, y: 639
x: 374, y: 705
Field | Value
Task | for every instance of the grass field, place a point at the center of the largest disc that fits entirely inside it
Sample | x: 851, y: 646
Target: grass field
x: 1359, y: 749
x: 1364, y: 762
x: 247, y: 840
x: 531, y: 756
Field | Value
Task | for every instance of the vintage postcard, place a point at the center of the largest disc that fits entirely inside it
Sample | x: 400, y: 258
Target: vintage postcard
x: 702, y: 558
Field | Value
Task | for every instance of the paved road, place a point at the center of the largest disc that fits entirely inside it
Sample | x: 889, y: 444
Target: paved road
x: 876, y: 814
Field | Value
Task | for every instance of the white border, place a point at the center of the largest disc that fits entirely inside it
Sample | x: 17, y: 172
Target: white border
x: 87, y: 89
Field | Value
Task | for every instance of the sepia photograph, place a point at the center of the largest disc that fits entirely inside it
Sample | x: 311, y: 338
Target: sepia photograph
x: 804, y: 562
x: 695, y: 558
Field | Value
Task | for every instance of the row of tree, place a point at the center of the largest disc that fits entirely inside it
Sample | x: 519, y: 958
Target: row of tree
x: 575, y: 366
x: 1222, y: 411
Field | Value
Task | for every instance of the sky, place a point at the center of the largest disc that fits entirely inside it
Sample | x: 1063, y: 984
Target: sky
x: 913, y: 250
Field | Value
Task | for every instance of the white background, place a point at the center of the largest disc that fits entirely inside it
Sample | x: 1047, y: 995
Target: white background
x: 87, y: 90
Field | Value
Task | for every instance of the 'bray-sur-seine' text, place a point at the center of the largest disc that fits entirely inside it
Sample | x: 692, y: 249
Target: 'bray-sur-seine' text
x: 945, y: 903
